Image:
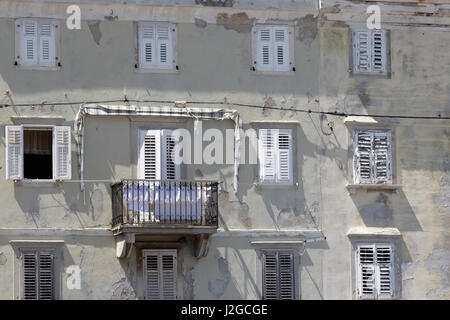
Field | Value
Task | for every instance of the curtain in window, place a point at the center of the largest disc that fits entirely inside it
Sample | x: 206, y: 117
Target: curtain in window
x: 37, y: 142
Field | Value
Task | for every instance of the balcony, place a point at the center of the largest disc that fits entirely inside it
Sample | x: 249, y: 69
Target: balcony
x: 164, y: 207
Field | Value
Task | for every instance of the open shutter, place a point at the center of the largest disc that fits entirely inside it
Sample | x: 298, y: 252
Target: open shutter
x: 267, y: 155
x: 384, y: 270
x: 270, y: 275
x: 381, y: 151
x: 29, y: 276
x: 46, y: 44
x: 46, y: 285
x: 164, y: 45
x: 286, y: 280
x: 147, y: 51
x: 264, y: 60
x: 14, y: 152
x: 361, y: 50
x: 363, y: 156
x: 366, y: 276
x: 62, y: 153
x: 284, y: 141
x: 150, y: 155
x: 29, y: 45
x: 378, y: 50
x: 281, y: 49
x: 168, y: 274
x: 151, y: 275
x: 170, y: 170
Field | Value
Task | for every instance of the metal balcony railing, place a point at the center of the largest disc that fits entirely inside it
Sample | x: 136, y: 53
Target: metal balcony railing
x: 164, y: 202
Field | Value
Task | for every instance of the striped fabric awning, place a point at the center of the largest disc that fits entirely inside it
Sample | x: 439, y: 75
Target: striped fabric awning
x: 160, y: 111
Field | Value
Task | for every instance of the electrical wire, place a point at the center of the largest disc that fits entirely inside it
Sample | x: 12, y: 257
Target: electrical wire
x: 309, y: 111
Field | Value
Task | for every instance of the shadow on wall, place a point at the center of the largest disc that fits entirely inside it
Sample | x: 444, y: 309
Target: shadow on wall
x: 386, y: 209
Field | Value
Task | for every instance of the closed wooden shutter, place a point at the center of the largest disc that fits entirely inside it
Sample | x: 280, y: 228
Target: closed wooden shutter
x: 381, y: 154
x: 384, y: 270
x: 366, y: 259
x: 164, y: 45
x: 170, y: 169
x: 278, y: 275
x: 267, y: 150
x: 29, y: 43
x: 281, y: 48
x: 378, y: 50
x: 147, y: 44
x: 363, y: 157
x: 46, y: 44
x: 62, y: 153
x: 264, y: 49
x: 362, y: 50
x: 150, y: 155
x: 38, y: 275
x: 14, y: 152
x: 160, y: 274
x: 284, y: 147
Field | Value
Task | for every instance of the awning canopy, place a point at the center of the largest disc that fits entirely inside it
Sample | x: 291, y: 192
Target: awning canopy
x: 156, y: 111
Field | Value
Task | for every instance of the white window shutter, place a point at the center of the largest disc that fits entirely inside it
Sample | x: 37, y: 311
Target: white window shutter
x: 281, y: 49
x: 29, y: 43
x: 147, y: 49
x: 362, y: 50
x: 363, y: 157
x: 170, y: 170
x: 382, y: 156
x: 164, y: 40
x: 378, y: 59
x: 384, y: 270
x: 169, y: 272
x: 62, y: 164
x: 47, y: 44
x: 267, y: 149
x: 264, y: 61
x: 29, y: 276
x: 284, y: 146
x: 270, y: 275
x: 150, y: 155
x: 14, y: 152
x: 366, y: 273
x: 46, y: 285
x: 286, y: 262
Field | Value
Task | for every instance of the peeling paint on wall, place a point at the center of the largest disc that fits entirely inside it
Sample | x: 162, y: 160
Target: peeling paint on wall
x: 188, y: 284
x: 200, y: 23
x: 2, y: 259
x: 94, y: 28
x: 239, y: 22
x: 307, y: 29
x: 217, y: 286
x: 379, y: 213
x: 215, y: 3
x: 234, y: 211
x: 122, y: 290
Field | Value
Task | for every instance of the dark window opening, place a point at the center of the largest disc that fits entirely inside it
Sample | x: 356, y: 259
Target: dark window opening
x: 37, y: 154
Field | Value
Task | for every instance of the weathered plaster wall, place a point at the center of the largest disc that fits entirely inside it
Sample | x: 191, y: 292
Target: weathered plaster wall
x: 215, y: 59
x: 418, y: 86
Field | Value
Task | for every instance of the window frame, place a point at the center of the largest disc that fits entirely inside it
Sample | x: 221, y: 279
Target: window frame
x: 54, y: 163
x: 290, y: 52
x: 353, y: 57
x: 56, y: 43
x: 140, y: 66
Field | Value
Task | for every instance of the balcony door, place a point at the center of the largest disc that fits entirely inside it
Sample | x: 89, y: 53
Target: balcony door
x: 156, y: 160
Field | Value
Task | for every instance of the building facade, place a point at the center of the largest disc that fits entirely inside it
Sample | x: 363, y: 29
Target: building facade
x: 316, y: 150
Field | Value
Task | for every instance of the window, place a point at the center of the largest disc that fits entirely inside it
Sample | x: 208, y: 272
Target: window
x: 38, y: 152
x: 275, y: 156
x: 157, y: 45
x: 37, y: 275
x: 272, y: 50
x: 160, y: 274
x: 36, y: 43
x: 369, y: 51
x: 372, y: 156
x: 156, y: 159
x: 375, y: 270
x: 278, y: 275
